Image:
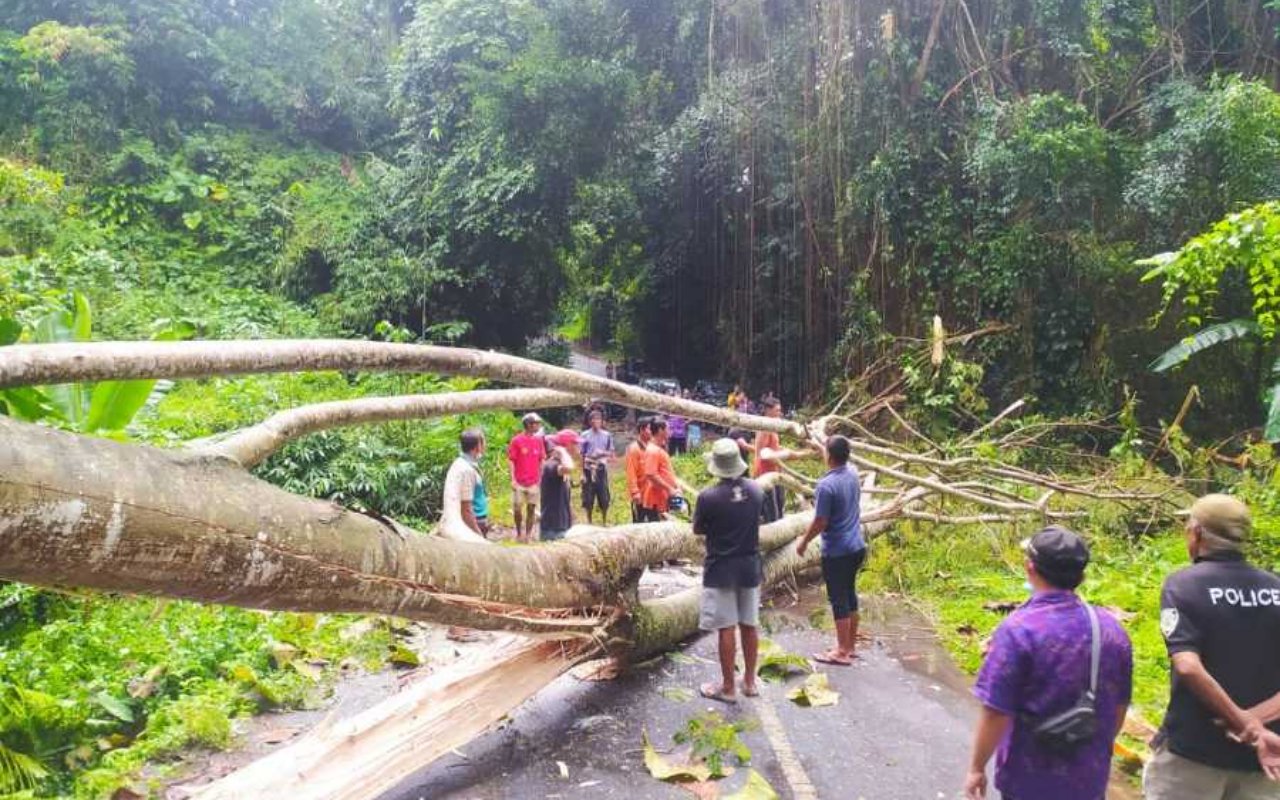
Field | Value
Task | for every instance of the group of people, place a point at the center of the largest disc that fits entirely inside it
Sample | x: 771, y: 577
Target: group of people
x: 1057, y: 679
x: 739, y: 400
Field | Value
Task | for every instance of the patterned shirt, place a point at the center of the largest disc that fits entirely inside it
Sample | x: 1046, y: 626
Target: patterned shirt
x: 1038, y: 666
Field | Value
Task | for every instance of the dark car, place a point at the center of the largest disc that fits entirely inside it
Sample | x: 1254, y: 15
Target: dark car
x: 714, y: 392
x: 661, y: 385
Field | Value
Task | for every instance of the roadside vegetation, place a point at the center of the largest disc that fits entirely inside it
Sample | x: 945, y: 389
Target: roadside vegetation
x: 775, y: 195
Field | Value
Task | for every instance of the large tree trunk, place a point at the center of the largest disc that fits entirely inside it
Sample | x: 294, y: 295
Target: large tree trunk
x: 79, y: 511
x: 32, y: 364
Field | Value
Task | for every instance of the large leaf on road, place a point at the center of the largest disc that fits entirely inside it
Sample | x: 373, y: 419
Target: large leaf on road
x: 756, y: 788
x: 815, y: 693
x: 1203, y: 340
x: 776, y: 664
x: 664, y: 770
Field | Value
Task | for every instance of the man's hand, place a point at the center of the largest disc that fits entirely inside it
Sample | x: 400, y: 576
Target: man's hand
x: 800, y: 548
x: 975, y: 785
x: 1268, y: 747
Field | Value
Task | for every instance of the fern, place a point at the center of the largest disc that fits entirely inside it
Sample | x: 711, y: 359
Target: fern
x: 19, y: 771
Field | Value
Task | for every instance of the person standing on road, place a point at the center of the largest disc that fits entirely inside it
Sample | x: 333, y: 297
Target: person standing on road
x: 837, y: 516
x: 678, y: 430
x: 1045, y: 714
x: 659, y: 484
x: 633, y: 465
x: 1221, y: 622
x: 554, y: 489
x: 769, y: 457
x: 728, y: 515
x: 597, y: 454
x: 464, y: 491
x: 526, y: 453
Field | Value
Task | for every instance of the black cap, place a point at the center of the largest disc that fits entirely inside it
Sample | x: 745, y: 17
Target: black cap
x: 1057, y: 552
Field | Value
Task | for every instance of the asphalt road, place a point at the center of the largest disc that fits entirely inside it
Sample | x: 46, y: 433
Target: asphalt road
x: 900, y: 730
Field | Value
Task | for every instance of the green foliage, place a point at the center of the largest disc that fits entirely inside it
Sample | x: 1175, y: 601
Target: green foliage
x: 714, y: 740
x: 1242, y: 248
x: 1215, y: 147
x: 108, y: 406
x: 125, y: 680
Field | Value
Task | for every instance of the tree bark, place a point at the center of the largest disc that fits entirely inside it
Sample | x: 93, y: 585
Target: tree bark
x: 251, y: 446
x: 101, y: 514
x: 42, y: 364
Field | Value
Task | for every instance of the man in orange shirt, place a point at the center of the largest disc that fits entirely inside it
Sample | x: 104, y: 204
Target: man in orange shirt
x: 634, y: 466
x: 659, y: 478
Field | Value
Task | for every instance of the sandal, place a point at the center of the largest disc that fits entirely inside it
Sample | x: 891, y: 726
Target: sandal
x: 832, y: 659
x: 713, y: 691
x: 750, y: 691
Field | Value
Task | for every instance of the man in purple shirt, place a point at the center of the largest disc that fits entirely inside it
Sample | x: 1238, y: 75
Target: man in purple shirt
x: 1038, y: 667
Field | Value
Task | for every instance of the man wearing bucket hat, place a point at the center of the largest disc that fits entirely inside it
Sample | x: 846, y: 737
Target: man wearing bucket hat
x: 1054, y: 686
x: 1221, y: 622
x: 728, y: 515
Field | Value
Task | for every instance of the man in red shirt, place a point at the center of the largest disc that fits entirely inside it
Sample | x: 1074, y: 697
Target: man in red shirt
x: 659, y: 478
x: 526, y: 453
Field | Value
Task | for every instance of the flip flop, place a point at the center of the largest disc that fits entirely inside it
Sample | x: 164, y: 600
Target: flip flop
x: 750, y: 691
x: 712, y: 691
x: 824, y: 658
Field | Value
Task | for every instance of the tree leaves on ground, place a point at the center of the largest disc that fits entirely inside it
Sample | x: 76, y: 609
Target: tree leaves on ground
x: 815, y: 692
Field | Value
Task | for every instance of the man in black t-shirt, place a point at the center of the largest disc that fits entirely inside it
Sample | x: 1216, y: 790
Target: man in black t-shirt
x: 1221, y: 622
x: 728, y: 514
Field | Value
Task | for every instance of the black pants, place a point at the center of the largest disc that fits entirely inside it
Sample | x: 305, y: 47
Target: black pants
x: 678, y: 445
x: 649, y: 515
x: 841, y: 576
x: 595, y: 488
x: 774, y: 503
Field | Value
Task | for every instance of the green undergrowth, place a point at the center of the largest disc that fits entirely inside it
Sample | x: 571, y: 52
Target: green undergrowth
x: 99, y: 692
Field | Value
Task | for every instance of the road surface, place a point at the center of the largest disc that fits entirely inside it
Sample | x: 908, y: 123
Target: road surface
x: 900, y: 730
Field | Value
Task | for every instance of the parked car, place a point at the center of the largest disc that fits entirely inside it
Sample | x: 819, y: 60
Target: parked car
x: 630, y: 370
x: 713, y: 392
x: 661, y: 385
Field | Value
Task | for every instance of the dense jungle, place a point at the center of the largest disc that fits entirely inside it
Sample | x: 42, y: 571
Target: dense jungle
x: 1080, y: 198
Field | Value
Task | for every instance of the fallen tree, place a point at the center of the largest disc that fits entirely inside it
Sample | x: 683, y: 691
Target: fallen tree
x: 195, y: 524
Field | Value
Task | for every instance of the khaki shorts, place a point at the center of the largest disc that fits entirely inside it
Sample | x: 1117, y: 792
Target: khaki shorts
x: 727, y: 608
x: 526, y: 495
x: 1172, y: 777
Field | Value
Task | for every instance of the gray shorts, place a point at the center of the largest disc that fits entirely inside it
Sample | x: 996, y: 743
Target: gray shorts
x: 725, y: 608
x: 1171, y: 777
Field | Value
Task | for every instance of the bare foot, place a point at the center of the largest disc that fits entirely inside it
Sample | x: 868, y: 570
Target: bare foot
x: 714, y: 691
x: 750, y: 690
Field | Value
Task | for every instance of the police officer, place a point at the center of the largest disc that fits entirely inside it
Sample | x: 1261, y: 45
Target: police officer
x: 1221, y: 622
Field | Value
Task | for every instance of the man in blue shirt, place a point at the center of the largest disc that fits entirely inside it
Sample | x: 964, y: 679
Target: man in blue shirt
x: 838, y: 517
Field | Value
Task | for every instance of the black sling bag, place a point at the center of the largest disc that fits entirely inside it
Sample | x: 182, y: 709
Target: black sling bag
x: 1064, y: 733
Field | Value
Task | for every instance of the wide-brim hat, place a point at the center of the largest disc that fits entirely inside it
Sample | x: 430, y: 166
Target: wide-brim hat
x: 725, y: 460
